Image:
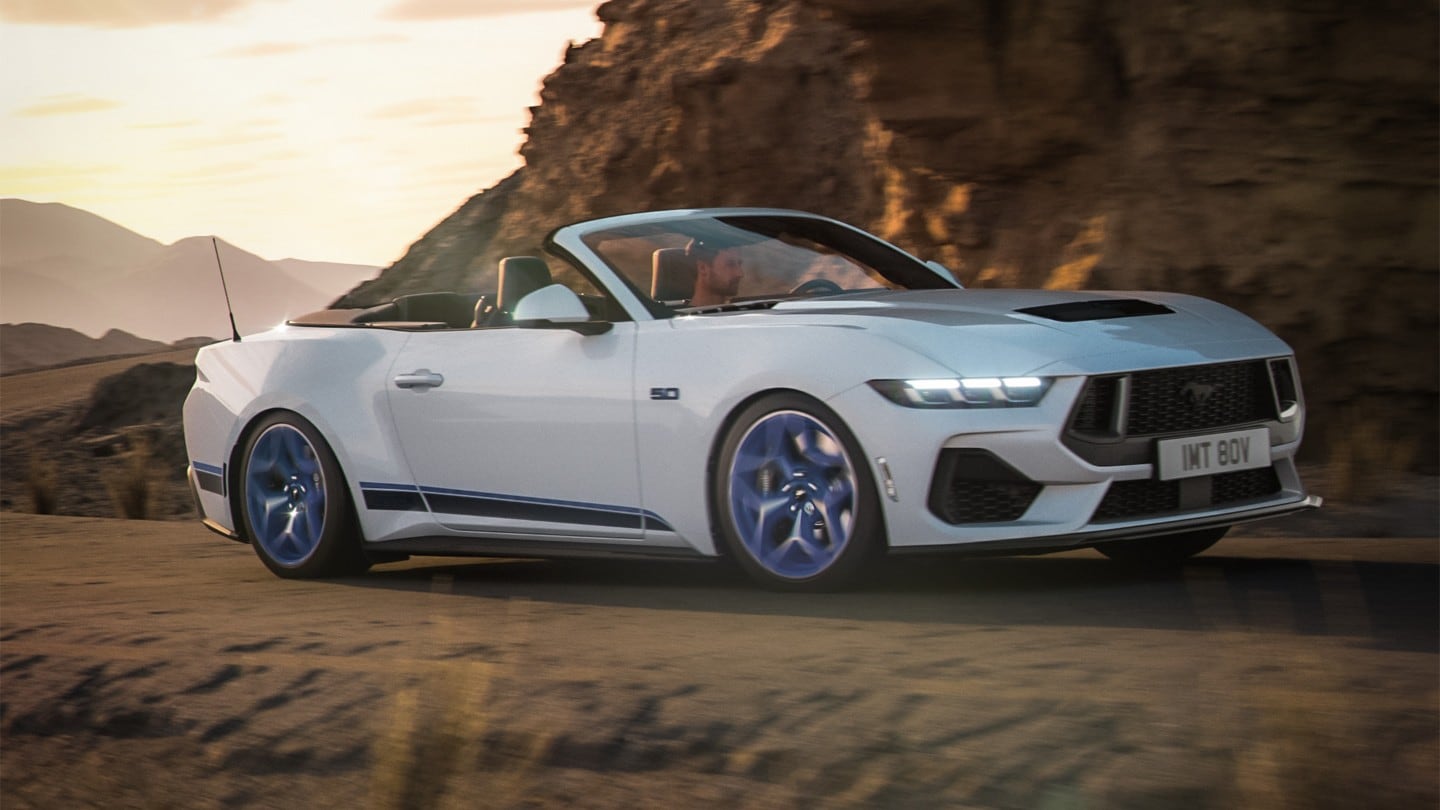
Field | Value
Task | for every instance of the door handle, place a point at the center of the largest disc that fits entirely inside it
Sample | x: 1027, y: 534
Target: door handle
x: 422, y: 379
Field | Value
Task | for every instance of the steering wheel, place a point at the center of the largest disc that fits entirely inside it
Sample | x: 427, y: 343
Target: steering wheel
x: 815, y: 286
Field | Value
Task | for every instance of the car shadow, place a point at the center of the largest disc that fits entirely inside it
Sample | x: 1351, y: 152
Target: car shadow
x: 1391, y: 605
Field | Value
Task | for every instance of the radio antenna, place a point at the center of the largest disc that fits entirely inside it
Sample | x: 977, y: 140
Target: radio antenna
x: 229, y: 310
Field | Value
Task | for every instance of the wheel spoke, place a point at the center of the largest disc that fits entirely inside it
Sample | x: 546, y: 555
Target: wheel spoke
x: 302, y: 531
x: 837, y: 508
x: 274, y: 517
x: 820, y: 449
x: 800, y: 550
x: 282, y: 543
x: 770, y: 519
x: 314, y: 501
x: 305, y: 464
x: 779, y: 556
x: 264, y: 458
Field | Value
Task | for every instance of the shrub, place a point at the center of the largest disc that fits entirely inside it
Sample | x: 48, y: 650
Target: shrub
x: 132, y: 487
x: 42, y: 486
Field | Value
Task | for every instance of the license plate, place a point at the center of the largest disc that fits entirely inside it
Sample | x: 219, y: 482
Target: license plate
x: 1216, y: 453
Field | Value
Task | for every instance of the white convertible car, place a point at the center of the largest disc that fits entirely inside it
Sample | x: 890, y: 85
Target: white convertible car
x: 770, y: 386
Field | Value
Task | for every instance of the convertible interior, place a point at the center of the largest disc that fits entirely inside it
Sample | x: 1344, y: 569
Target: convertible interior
x: 518, y: 277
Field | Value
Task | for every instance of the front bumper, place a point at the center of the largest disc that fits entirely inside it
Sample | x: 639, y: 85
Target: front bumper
x: 190, y: 476
x: 1068, y: 542
x: 1024, y: 487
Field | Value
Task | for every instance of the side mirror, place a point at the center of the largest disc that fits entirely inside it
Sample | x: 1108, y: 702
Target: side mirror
x: 556, y: 307
x: 944, y: 272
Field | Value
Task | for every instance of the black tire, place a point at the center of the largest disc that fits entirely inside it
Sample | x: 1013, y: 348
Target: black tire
x: 1162, y: 550
x: 294, y: 506
x: 791, y: 453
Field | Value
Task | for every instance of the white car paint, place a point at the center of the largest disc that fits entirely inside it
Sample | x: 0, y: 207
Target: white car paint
x: 553, y: 438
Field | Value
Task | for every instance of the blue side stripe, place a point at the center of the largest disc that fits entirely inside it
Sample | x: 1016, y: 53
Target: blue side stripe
x: 599, y: 507
x: 201, y: 466
x: 487, y: 504
x: 389, y: 487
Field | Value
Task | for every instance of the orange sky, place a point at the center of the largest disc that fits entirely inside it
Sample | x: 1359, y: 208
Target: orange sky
x: 318, y: 129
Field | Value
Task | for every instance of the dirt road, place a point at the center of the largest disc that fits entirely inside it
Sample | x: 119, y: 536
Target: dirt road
x: 155, y: 665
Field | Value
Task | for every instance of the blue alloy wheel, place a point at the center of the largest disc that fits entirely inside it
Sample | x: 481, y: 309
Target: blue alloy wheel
x: 294, y: 507
x: 793, y: 495
x: 285, y: 495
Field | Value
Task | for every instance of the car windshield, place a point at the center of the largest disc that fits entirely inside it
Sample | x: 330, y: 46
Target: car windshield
x: 704, y: 264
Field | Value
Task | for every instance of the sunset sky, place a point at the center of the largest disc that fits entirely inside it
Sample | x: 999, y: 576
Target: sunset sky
x: 316, y: 129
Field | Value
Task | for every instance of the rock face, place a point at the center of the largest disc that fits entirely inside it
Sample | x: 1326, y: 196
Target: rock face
x: 1280, y: 157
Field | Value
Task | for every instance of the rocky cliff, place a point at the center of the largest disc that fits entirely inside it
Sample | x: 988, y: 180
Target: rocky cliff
x: 1279, y: 156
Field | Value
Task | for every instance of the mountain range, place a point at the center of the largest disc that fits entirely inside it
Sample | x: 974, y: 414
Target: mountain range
x: 69, y: 268
x: 25, y: 346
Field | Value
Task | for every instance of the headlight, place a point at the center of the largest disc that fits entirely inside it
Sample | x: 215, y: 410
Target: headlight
x: 968, y: 392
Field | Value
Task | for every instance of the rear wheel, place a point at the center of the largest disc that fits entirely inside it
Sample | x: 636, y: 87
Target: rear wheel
x: 1168, y: 549
x: 794, y: 501
x: 295, y: 508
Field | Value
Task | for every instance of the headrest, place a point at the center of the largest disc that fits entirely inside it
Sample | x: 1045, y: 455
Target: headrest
x: 520, y: 276
x: 672, y: 275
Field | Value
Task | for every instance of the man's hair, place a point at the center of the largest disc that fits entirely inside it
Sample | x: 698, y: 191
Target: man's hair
x: 699, y: 250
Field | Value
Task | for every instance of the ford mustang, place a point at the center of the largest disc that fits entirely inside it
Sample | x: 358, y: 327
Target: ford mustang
x: 771, y: 387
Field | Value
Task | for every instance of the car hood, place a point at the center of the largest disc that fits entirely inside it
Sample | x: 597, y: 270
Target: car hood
x: 999, y: 332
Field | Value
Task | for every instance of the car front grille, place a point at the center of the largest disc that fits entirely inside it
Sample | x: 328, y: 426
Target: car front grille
x: 1176, y: 400
x: 1118, y: 417
x: 1182, y: 399
x: 1129, y: 500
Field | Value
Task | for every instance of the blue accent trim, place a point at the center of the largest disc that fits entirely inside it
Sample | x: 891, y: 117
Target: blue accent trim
x: 392, y: 497
x: 507, y: 508
x: 389, y: 487
x: 488, y: 504
x: 525, y: 499
x: 209, y: 477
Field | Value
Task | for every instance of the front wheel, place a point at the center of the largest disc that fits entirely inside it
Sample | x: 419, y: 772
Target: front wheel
x: 295, y: 509
x: 793, y: 499
x: 1163, y: 550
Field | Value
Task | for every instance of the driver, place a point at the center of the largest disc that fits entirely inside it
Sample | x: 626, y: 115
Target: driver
x: 718, y: 271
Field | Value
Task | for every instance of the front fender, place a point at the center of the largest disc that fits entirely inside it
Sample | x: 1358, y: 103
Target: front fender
x: 693, y: 374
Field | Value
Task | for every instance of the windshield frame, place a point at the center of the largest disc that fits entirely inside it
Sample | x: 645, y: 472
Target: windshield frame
x: 584, y: 243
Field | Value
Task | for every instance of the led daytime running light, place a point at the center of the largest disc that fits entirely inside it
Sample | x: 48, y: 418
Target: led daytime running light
x: 965, y: 392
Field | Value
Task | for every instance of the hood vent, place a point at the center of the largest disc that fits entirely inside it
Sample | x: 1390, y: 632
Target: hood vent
x: 1101, y: 310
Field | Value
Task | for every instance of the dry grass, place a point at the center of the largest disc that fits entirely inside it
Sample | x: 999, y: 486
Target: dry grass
x: 432, y: 739
x: 132, y: 487
x: 41, y: 483
x: 428, y: 753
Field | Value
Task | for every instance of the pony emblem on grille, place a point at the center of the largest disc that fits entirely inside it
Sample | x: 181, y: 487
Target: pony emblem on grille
x: 1197, y: 394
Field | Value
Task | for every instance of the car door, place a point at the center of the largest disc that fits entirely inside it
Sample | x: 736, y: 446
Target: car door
x: 522, y: 433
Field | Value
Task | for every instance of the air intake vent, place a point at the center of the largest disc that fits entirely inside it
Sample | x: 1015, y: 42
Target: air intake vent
x: 1132, y: 500
x: 1096, y: 413
x: 1102, y: 310
x: 973, y: 486
x: 1287, y: 392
